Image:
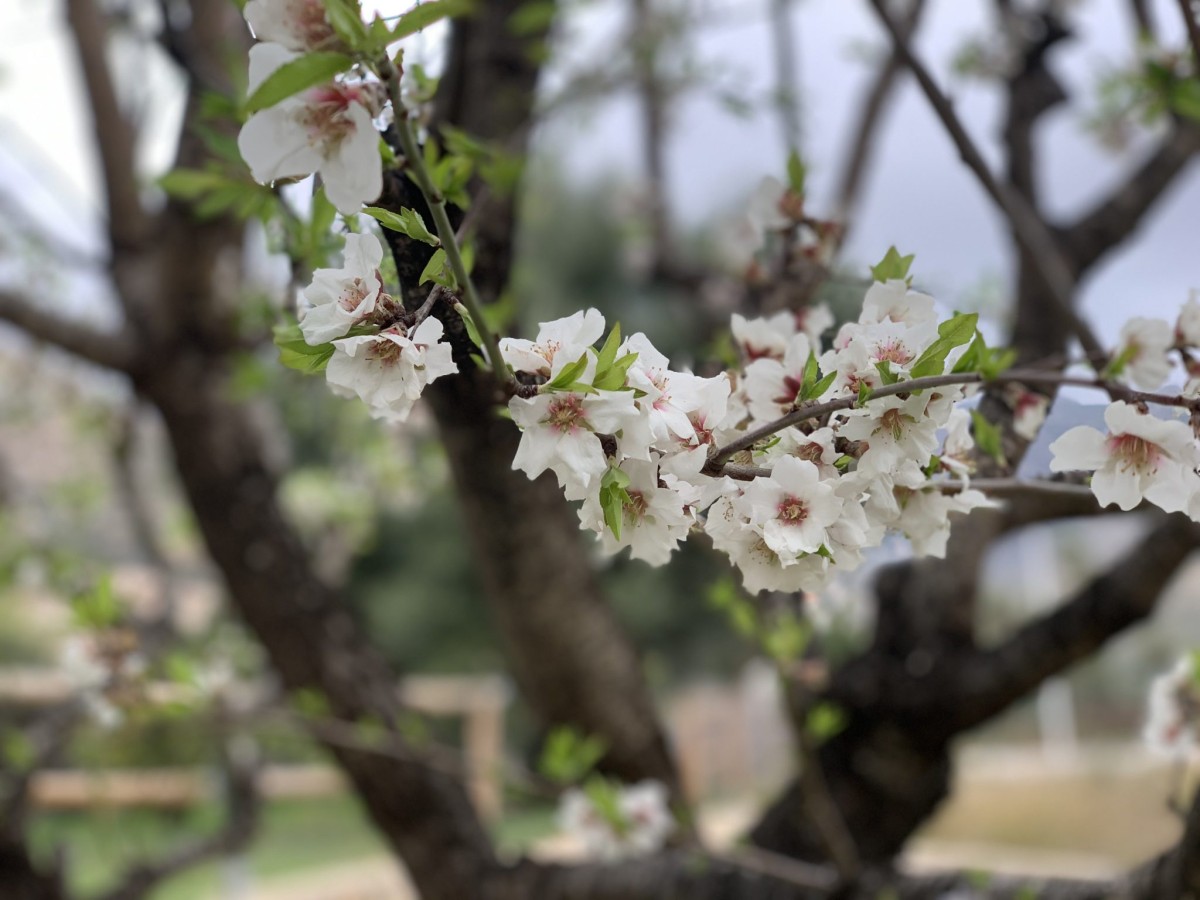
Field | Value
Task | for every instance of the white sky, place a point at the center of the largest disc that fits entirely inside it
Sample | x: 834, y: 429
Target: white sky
x: 918, y: 195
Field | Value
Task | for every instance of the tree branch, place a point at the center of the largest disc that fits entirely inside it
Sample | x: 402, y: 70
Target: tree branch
x: 115, y: 137
x: 1193, y: 28
x: 243, y: 801
x: 869, y: 119
x: 1111, y: 602
x: 1114, y: 219
x: 1033, y: 234
x: 113, y: 351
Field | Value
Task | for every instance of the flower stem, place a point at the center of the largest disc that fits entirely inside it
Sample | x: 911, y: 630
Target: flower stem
x: 441, y: 219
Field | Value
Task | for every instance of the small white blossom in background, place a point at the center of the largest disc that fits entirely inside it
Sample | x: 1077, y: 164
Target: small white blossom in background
x: 388, y: 371
x: 1144, y: 346
x: 1029, y: 410
x: 91, y: 675
x: 341, y: 298
x: 1187, y: 328
x: 1141, y: 457
x: 1173, y: 710
x: 643, y: 821
x: 326, y: 129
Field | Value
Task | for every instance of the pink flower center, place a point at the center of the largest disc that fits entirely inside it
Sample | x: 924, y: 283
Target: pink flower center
x: 353, y: 295
x: 792, y: 510
x: 893, y: 351
x: 326, y: 116
x: 1133, y: 452
x: 790, y: 390
x: 635, y: 509
x: 310, y: 26
x: 565, y: 414
x: 813, y: 452
x: 386, y: 352
x: 893, y: 421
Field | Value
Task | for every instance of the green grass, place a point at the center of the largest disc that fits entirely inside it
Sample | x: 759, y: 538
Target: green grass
x: 294, y: 836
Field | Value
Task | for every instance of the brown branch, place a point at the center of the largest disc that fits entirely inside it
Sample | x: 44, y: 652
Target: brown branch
x: 1118, y: 598
x: 1193, y: 28
x: 243, y: 802
x: 1111, y: 221
x: 869, y: 119
x: 113, y: 351
x: 115, y: 138
x: 786, y: 95
x: 1028, y: 227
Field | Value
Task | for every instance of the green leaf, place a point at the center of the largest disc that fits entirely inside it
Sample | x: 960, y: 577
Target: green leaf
x: 987, y: 437
x: 97, y: 608
x: 569, y: 755
x: 407, y: 222
x: 892, y: 266
x: 189, y: 184
x: 532, y: 17
x: 345, y: 17
x: 608, y: 352
x: 787, y: 639
x: 885, y: 372
x: 614, y: 378
x: 797, y: 172
x: 824, y: 721
x: 427, y: 14
x: 437, y: 271
x: 300, y: 74
x: 568, y: 375
x: 864, y: 393
x: 296, y: 353
x: 472, y: 330
x: 816, y: 390
x: 1184, y: 98
x: 998, y: 359
x: 323, y: 214
x: 952, y: 333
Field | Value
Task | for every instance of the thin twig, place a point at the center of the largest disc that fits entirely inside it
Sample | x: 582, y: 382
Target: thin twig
x: 441, y: 219
x: 1193, y: 29
x: 1028, y: 226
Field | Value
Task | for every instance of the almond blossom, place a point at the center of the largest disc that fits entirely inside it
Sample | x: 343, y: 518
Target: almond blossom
x: 772, y: 386
x: 793, y: 508
x: 559, y: 343
x: 341, y: 298
x: 560, y: 431
x: 326, y: 129
x: 894, y: 429
x: 1174, y: 710
x: 388, y: 371
x: 1143, y: 349
x: 643, y: 820
x: 1187, y: 327
x: 299, y: 25
x: 1141, y: 457
x: 655, y: 518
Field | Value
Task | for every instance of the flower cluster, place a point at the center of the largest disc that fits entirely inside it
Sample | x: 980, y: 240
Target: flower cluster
x: 615, y: 821
x: 642, y: 444
x: 327, y: 129
x: 1174, y: 710
x: 379, y: 353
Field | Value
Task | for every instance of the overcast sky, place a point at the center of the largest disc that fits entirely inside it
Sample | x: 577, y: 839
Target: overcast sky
x: 918, y: 195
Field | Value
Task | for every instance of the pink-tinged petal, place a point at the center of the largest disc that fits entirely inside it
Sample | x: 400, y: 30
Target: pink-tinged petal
x: 353, y: 175
x: 1082, y: 447
x: 1112, y: 485
x: 536, y: 452
x: 274, y: 145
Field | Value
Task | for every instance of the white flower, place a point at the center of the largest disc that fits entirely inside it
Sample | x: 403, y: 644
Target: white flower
x: 388, y: 371
x: 670, y: 397
x: 925, y: 517
x: 655, y: 518
x: 340, y: 298
x: 794, y: 508
x: 1187, y: 328
x: 892, y: 301
x: 768, y: 205
x: 773, y: 386
x: 559, y: 343
x: 298, y: 25
x: 759, y: 338
x: 1173, y: 710
x: 895, y: 430
x: 325, y: 129
x: 1029, y: 410
x: 1140, y: 457
x: 644, y: 821
x: 559, y: 432
x: 1144, y: 347
x: 959, y: 446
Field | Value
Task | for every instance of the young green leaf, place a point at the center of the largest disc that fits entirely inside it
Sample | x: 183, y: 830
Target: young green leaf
x: 437, y: 271
x: 797, y: 173
x: 987, y: 437
x: 568, y: 376
x: 296, y: 353
x: 407, y: 222
x: 427, y: 14
x: 892, y: 266
x: 293, y: 77
x: 952, y: 333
